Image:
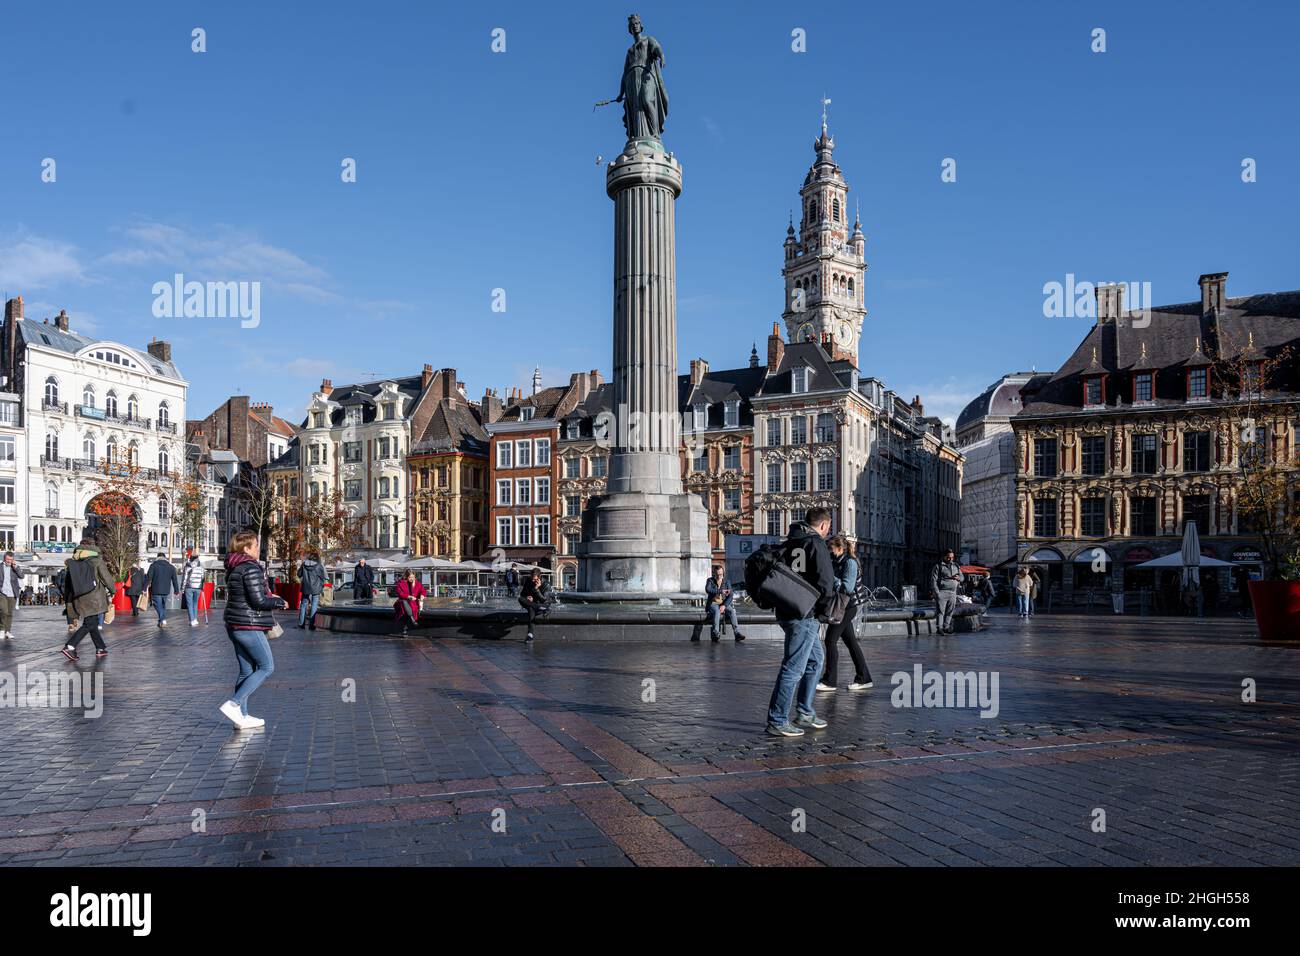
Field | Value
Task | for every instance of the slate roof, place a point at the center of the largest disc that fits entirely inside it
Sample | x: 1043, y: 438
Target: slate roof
x: 600, y: 399
x: 717, y: 388
x: 364, y: 394
x: 31, y: 332
x: 290, y: 458
x: 453, y: 426
x: 999, y: 400
x: 545, y: 402
x: 1271, y: 321
x: 827, y: 373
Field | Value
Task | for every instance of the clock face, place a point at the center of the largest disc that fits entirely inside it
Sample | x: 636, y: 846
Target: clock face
x: 806, y: 332
x: 846, y: 333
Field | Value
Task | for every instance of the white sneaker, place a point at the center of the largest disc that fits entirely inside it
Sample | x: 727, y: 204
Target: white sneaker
x: 867, y: 686
x: 7, y: 635
x: 232, y: 712
x: 251, y: 723
x: 194, y: 623
x: 821, y: 686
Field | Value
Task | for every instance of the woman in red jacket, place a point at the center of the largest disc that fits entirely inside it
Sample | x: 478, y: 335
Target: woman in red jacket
x: 410, y: 592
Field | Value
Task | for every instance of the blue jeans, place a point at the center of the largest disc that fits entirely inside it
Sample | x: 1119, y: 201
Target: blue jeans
x: 160, y: 606
x: 307, y: 609
x: 716, y: 615
x: 800, y: 668
x: 192, y: 602
x: 1022, y: 604
x: 256, y: 664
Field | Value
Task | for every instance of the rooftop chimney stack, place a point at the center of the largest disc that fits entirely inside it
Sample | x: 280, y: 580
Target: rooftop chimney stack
x: 426, y: 376
x: 775, y: 349
x: 699, y: 370
x: 14, y: 309
x: 490, y: 407
x: 162, y: 351
x: 61, y: 320
x: 326, y: 386
x: 1110, y: 302
x: 448, y: 382
x: 1214, y: 292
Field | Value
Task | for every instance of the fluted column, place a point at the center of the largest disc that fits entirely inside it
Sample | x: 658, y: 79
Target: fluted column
x: 644, y: 186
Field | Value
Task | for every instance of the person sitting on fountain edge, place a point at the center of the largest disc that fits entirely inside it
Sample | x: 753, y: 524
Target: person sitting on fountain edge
x: 536, y: 599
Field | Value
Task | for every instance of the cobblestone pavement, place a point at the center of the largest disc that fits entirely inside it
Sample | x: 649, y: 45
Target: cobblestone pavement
x: 583, y: 762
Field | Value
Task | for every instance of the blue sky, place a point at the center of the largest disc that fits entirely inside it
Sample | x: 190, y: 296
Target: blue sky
x: 479, y: 171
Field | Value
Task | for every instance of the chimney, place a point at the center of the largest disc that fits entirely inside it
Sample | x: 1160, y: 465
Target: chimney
x: 828, y: 344
x: 1213, y: 292
x: 265, y: 409
x: 326, y: 386
x: 916, y: 403
x: 162, y: 351
x: 14, y: 309
x: 426, y: 376
x: 61, y: 321
x: 775, y: 349
x: 699, y: 369
x: 1110, y: 302
x: 448, y: 382
x: 490, y: 407
x: 595, y: 378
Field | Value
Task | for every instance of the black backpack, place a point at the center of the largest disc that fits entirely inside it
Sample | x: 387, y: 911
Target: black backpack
x: 773, y: 586
x: 81, y: 578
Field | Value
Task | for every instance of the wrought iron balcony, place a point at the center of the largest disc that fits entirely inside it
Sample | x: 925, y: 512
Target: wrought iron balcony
x: 167, y: 427
x: 49, y: 406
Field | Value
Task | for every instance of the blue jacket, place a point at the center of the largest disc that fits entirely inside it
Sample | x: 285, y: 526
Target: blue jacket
x: 846, y: 574
x: 712, y: 589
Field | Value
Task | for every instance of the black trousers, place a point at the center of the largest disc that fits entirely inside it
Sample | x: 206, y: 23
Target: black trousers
x: 843, y: 631
x: 89, y: 625
x: 535, y: 609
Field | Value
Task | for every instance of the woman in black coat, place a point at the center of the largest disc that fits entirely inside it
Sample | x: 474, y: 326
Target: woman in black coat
x: 248, y: 618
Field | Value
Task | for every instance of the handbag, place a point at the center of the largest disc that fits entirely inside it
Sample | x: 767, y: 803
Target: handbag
x: 274, y: 632
x: 839, y: 606
x: 110, y: 613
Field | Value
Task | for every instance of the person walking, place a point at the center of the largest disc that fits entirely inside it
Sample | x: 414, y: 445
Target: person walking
x: 248, y: 618
x: 311, y: 575
x: 720, y: 605
x: 11, y: 576
x: 410, y: 595
x: 1022, y: 586
x: 363, y: 583
x: 192, y: 583
x: 1034, y: 591
x: 162, y: 582
x: 804, y: 552
x: 136, y: 583
x: 536, y: 599
x: 945, y: 579
x: 512, y: 580
x: 86, y: 586
x: 846, y: 570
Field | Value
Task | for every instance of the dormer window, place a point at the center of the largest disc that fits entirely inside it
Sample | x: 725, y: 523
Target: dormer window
x: 571, y: 429
x: 526, y: 413
x: 732, y: 414
x: 701, y: 417
x: 1144, y: 386
x: 799, y: 380
x: 1198, y: 383
x: 1094, y: 391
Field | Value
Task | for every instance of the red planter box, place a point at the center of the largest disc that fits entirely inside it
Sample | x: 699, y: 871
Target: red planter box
x: 1277, y: 609
x: 291, y: 593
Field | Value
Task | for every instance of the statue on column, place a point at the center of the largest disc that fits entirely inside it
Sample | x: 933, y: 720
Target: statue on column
x: 643, y: 95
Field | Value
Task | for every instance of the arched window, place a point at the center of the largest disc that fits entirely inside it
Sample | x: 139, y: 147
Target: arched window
x: 383, y: 487
x: 164, y: 461
x: 163, y: 413
x: 852, y: 294
x: 52, y: 499
x: 110, y: 404
x: 38, y: 533
x: 51, y: 391
x: 51, y: 446
x: 88, y: 448
x: 162, y: 509
x: 67, y: 535
x: 133, y: 407
x: 162, y: 539
x: 836, y: 206
x: 88, y: 396
x: 110, y: 451
x: 133, y: 454
x: 812, y: 211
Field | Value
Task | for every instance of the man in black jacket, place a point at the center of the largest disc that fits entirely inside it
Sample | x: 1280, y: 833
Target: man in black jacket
x: 805, y: 552
x: 162, y: 582
x: 536, y: 599
x: 363, y: 582
x: 135, y: 586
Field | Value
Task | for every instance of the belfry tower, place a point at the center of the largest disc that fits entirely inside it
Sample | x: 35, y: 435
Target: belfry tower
x: 825, y: 264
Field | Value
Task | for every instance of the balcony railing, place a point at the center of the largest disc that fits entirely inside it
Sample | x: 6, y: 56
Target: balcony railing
x: 51, y: 512
x: 116, y: 469
x: 169, y: 427
x: 49, y: 406
x: 129, y: 421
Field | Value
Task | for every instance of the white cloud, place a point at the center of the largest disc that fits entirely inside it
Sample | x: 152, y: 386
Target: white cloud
x: 31, y: 262
x: 943, y: 399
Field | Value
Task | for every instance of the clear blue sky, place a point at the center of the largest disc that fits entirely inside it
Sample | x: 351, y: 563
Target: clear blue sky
x: 479, y: 170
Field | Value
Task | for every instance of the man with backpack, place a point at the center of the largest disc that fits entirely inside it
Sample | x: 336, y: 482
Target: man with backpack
x: 803, y: 564
x: 162, y: 582
x: 85, y: 598
x: 311, y: 574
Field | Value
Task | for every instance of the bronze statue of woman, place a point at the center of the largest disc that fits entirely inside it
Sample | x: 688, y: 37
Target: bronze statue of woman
x: 644, y: 98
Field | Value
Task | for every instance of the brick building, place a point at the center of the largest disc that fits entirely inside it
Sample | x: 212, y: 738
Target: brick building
x: 249, y: 429
x: 448, y: 478
x: 582, y: 453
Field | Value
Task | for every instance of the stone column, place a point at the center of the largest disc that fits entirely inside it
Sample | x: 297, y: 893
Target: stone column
x: 644, y: 538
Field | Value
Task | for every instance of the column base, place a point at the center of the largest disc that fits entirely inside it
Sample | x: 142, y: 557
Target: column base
x: 641, y: 543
